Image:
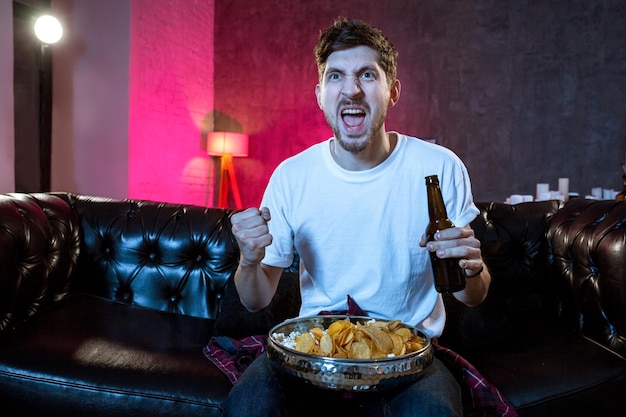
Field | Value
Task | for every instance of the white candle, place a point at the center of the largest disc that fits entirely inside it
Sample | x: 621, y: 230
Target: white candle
x: 564, y: 188
x: 596, y: 192
x: 541, y: 189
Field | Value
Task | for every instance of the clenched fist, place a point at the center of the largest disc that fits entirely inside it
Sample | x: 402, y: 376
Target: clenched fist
x: 252, y: 234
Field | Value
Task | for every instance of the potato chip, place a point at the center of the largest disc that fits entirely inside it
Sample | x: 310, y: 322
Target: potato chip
x: 344, y: 336
x: 405, y: 333
x: 361, y: 336
x: 305, y: 342
x: 337, y: 326
x: 398, y: 343
x: 317, y: 332
x: 394, y: 325
x: 380, y: 337
x: 414, y: 345
x: 327, y: 346
x: 359, y: 350
x: 340, y: 352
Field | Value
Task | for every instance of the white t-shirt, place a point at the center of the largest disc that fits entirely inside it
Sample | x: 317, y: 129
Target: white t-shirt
x: 358, y: 232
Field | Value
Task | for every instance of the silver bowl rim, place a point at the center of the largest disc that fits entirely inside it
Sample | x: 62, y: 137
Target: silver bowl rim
x: 348, y: 360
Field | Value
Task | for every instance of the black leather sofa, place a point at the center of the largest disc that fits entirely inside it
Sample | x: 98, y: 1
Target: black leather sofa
x: 106, y: 305
x: 551, y: 334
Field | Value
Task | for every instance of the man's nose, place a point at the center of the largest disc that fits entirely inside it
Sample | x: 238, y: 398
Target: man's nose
x: 351, y: 86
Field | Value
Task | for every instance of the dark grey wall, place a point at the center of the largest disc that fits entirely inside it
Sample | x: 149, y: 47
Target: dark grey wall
x: 525, y: 91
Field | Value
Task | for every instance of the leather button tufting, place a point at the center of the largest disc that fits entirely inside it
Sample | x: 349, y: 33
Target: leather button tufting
x: 152, y: 256
x: 173, y: 298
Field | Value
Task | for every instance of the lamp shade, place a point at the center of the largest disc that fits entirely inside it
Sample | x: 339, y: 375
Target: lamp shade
x: 223, y: 143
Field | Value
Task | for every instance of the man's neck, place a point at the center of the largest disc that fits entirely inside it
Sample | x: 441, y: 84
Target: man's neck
x: 374, y: 155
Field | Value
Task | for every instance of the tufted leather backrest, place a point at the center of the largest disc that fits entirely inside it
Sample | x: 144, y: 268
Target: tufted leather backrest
x: 588, y: 241
x: 169, y: 257
x: 39, y: 248
x: 514, y: 248
x: 178, y: 258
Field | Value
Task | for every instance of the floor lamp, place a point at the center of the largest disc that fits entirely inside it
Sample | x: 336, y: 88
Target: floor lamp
x: 49, y: 31
x: 226, y: 145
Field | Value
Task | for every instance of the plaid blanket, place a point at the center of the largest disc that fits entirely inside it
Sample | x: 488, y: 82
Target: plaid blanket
x: 480, y: 397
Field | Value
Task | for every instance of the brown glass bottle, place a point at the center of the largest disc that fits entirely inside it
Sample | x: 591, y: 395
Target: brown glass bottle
x: 449, y: 276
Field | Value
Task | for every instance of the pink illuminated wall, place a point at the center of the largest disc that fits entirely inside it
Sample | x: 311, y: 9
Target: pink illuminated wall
x: 265, y: 80
x: 171, y: 100
x: 265, y: 77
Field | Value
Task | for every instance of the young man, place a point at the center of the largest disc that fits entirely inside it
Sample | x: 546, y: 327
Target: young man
x: 355, y: 209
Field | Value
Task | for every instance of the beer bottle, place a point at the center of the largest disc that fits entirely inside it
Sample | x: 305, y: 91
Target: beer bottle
x: 449, y: 276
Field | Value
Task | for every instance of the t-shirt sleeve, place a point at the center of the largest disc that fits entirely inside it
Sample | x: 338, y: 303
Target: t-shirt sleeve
x: 280, y: 253
x: 459, y: 200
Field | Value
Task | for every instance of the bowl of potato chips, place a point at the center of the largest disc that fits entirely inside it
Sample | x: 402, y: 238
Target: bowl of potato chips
x: 346, y: 353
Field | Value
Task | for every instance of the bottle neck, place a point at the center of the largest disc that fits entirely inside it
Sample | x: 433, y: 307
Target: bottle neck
x: 436, y: 207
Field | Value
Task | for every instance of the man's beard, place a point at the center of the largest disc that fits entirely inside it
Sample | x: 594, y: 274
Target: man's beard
x: 356, y: 147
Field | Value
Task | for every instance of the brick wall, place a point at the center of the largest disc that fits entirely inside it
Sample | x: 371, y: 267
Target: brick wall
x: 171, y: 100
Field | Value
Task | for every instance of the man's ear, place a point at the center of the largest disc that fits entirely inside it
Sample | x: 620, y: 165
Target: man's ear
x: 318, y: 94
x: 394, y: 92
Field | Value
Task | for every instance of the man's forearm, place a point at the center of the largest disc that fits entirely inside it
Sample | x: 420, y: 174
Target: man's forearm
x: 254, y: 286
x: 476, y: 289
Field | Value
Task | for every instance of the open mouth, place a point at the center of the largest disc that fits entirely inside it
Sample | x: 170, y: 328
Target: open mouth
x: 353, y: 118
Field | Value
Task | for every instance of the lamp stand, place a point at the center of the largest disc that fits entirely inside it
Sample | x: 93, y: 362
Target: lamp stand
x: 228, y: 180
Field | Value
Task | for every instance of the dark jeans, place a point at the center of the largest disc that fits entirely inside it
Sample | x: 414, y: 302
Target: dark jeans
x: 262, y: 392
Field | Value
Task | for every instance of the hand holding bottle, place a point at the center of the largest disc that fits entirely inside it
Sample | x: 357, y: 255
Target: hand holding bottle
x: 454, y: 251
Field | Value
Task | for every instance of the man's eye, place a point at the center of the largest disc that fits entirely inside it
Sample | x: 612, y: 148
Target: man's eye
x: 368, y: 75
x: 333, y: 76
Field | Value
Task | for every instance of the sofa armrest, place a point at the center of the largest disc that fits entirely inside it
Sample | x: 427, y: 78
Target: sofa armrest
x: 588, y: 243
x: 39, y: 248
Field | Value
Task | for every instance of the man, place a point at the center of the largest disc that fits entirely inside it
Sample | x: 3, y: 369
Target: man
x: 355, y: 209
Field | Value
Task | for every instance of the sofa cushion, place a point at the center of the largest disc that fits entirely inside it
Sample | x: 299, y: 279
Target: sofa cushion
x: 554, y: 373
x: 91, y: 356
